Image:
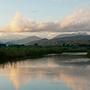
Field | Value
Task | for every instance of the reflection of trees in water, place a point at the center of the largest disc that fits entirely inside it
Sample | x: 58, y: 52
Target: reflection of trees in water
x: 25, y: 72
x: 66, y: 59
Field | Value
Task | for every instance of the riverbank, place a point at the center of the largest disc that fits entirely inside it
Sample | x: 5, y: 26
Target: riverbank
x: 18, y: 53
x: 88, y: 54
x: 10, y: 53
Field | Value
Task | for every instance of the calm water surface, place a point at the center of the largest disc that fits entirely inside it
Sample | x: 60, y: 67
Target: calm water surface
x: 65, y: 72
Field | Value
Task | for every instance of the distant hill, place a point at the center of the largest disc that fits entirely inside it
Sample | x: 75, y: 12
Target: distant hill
x: 67, y: 39
x: 64, y: 35
x: 41, y: 42
x: 25, y: 40
x: 72, y: 39
x: 76, y: 39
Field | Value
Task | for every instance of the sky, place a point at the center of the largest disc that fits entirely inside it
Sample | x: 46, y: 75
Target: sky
x: 43, y: 17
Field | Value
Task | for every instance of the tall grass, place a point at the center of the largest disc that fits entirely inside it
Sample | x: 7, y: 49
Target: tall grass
x: 12, y: 53
x: 9, y: 53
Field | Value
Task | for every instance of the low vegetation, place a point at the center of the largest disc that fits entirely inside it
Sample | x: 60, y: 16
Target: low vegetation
x: 88, y: 54
x: 10, y: 53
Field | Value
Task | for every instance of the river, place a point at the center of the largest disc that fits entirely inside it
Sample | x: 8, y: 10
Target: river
x: 53, y: 72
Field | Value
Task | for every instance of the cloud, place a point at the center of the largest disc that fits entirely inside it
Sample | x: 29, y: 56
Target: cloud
x: 21, y: 24
x: 79, y: 20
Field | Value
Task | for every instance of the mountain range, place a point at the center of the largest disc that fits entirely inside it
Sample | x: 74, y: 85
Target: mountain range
x: 24, y: 41
x: 58, y: 40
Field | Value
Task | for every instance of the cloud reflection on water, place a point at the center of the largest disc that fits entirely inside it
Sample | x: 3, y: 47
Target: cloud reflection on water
x: 22, y: 73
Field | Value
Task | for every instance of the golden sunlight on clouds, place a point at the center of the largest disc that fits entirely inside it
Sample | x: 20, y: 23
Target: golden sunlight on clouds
x: 17, y: 23
x: 79, y: 20
x: 78, y: 17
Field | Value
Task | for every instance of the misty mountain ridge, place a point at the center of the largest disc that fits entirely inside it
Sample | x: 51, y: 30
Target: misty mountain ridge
x: 25, y: 40
x: 57, y: 40
x: 72, y: 34
x: 39, y: 42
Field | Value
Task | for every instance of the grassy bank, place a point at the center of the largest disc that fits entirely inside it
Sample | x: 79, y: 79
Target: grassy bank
x: 9, y: 53
x: 88, y: 54
x: 14, y: 53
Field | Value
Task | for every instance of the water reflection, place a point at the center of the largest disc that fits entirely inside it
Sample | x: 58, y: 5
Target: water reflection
x: 47, y: 69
